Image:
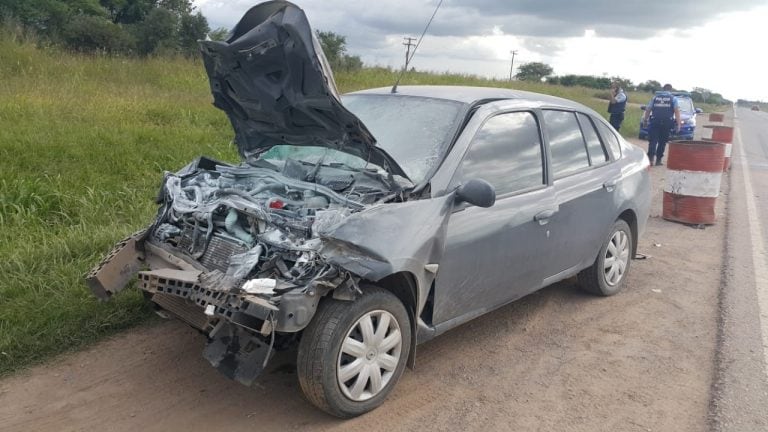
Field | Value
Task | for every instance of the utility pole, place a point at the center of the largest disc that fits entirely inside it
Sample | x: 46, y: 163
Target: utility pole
x: 512, y: 64
x: 408, y: 42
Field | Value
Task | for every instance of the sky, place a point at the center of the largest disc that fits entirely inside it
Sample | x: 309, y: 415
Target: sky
x: 713, y: 44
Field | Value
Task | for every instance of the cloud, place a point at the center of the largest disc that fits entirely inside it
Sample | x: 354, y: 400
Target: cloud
x: 609, y: 17
x: 542, y: 45
x: 631, y: 19
x: 631, y: 37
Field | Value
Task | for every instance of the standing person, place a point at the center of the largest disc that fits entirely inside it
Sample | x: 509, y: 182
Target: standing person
x: 664, y: 115
x: 617, y: 105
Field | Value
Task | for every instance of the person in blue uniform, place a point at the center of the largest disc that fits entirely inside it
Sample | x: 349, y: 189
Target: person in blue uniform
x: 617, y: 105
x: 661, y: 115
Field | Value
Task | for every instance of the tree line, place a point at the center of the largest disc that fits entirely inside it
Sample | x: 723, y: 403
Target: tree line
x: 135, y: 27
x: 538, y: 71
x: 139, y: 27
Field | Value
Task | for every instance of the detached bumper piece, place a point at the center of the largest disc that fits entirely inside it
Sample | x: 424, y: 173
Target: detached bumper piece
x: 240, y: 328
x: 117, y: 268
x: 247, y: 311
x: 237, y: 353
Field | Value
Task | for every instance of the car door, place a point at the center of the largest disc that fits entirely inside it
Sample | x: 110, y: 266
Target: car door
x: 584, y: 183
x: 497, y: 254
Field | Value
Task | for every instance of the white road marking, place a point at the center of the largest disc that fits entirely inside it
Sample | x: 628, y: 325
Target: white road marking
x: 758, y: 249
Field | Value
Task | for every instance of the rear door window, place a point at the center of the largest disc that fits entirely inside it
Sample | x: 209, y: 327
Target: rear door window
x: 566, y: 143
x: 597, y: 154
x: 506, y: 152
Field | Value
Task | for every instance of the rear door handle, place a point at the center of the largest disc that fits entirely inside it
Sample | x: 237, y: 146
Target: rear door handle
x: 543, y: 217
x: 610, y: 185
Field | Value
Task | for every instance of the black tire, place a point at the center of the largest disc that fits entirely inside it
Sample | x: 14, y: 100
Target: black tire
x: 594, y: 278
x: 320, y: 346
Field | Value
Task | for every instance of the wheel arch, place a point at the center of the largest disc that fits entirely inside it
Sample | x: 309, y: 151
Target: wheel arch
x: 630, y: 218
x: 404, y: 286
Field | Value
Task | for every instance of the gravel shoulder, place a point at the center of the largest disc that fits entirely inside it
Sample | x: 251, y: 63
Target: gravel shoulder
x: 559, y: 359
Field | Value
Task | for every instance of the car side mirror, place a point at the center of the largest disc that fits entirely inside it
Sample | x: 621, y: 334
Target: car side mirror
x: 699, y: 110
x: 642, y: 107
x: 477, y: 192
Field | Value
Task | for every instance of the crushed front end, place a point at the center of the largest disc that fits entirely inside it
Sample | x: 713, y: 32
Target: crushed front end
x: 237, y: 252
x: 244, y: 253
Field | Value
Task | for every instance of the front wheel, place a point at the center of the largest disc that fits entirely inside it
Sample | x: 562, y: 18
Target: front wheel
x: 607, y: 275
x: 352, y: 353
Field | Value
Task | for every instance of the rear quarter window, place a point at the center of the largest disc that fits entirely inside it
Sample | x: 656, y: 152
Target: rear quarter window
x: 610, y: 139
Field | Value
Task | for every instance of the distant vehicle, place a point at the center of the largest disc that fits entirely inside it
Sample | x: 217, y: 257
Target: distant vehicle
x: 755, y: 108
x: 687, y: 113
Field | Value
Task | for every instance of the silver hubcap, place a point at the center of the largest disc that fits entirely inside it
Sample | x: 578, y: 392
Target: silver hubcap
x: 369, y: 355
x: 616, y: 258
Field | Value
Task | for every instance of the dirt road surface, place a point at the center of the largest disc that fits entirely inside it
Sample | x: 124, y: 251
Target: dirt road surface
x: 557, y: 360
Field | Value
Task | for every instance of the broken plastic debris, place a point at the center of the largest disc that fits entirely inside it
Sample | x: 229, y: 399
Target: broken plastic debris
x: 260, y: 286
x: 328, y: 220
x: 209, y: 309
x: 657, y: 291
x: 657, y: 244
x: 242, y: 264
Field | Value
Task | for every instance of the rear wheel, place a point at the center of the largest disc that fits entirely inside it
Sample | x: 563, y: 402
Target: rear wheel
x: 607, y: 275
x: 352, y: 353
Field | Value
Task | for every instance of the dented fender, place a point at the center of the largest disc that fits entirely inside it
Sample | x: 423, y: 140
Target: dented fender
x: 382, y: 240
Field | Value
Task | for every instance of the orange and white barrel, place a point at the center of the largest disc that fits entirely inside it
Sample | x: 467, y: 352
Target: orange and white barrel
x: 694, y: 171
x: 727, y: 158
x: 723, y: 134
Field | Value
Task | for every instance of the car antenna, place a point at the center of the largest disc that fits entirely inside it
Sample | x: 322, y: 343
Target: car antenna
x: 408, y: 59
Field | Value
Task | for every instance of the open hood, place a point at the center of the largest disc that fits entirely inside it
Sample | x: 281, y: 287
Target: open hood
x: 273, y: 81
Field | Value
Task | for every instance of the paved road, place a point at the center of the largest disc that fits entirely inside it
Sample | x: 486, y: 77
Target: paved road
x: 740, y: 390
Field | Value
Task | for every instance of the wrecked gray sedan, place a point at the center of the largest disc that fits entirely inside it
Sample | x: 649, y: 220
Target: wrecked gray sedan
x: 358, y: 227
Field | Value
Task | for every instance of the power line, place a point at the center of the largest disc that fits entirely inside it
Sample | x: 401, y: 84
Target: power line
x: 421, y: 38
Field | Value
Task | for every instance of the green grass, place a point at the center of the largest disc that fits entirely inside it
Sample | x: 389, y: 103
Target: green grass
x: 83, y: 145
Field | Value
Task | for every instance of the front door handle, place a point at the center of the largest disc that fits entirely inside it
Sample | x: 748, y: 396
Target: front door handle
x: 543, y: 217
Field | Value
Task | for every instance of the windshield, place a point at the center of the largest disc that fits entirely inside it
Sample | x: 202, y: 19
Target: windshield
x: 685, y: 104
x: 316, y: 155
x: 415, y: 131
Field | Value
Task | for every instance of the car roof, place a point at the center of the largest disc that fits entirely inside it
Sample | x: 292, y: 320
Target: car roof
x: 473, y: 95
x: 675, y: 93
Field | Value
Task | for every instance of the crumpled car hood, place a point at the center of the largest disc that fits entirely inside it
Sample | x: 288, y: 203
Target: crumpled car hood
x: 273, y: 81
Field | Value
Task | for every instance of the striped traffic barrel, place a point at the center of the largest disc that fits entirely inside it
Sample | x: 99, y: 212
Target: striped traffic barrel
x: 716, y: 117
x: 723, y: 134
x: 694, y: 170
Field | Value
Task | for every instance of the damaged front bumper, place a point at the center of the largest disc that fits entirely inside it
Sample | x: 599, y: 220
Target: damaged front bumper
x: 242, y: 328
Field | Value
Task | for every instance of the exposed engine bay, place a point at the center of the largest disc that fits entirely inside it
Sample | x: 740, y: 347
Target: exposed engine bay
x: 246, y: 223
x: 237, y: 252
